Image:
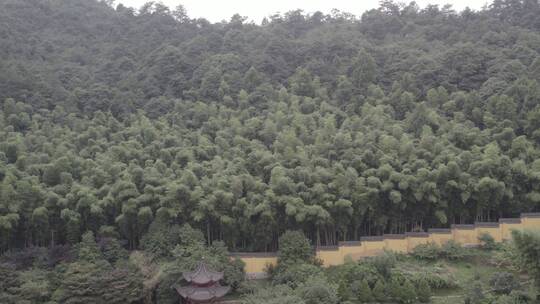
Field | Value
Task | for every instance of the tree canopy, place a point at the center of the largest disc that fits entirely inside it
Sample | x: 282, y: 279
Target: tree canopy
x: 339, y: 126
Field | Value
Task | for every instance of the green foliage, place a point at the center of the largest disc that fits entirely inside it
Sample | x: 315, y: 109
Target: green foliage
x: 402, y: 292
x: 503, y: 282
x: 379, y: 291
x: 294, y: 247
x: 487, y: 241
x: 112, y: 250
x: 452, y: 250
x: 88, y: 249
x: 383, y: 263
x: 436, y: 277
x: 428, y: 251
x: 366, y: 128
x: 508, y: 256
x: 474, y: 293
x: 317, y: 290
x: 528, y: 246
x: 280, y: 294
x: 423, y: 291
x: 10, y: 281
x: 161, y: 239
x: 294, y: 274
x: 334, y: 125
x: 431, y: 251
x: 91, y: 279
x: 362, y: 291
x: 186, y: 256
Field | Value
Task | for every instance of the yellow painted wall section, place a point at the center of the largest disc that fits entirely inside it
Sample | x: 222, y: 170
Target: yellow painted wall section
x: 531, y: 221
x: 507, y: 225
x: 256, y: 263
x: 397, y: 245
x: 465, y: 234
x: 413, y: 241
x: 440, y: 238
x: 495, y: 232
x: 353, y: 250
x: 330, y: 257
x: 373, y: 247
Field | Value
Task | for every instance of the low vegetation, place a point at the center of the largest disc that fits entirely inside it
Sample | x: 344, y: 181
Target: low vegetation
x: 431, y: 274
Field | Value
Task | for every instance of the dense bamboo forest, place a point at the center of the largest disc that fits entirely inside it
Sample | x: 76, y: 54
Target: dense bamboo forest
x: 114, y: 120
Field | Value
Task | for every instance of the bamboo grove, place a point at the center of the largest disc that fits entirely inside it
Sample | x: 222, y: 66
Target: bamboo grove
x: 401, y: 119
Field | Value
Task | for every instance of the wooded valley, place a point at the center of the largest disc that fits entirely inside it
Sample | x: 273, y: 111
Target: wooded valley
x: 341, y: 126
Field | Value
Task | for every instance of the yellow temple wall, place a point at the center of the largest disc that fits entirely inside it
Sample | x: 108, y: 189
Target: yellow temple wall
x: 439, y: 237
x: 495, y: 232
x: 466, y: 235
x: 397, y: 245
x: 330, y: 257
x: 373, y: 245
x: 352, y: 250
x: 416, y: 239
x: 507, y: 225
x: 256, y: 262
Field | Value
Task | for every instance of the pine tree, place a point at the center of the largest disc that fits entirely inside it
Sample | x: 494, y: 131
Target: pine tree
x: 362, y: 291
x: 408, y: 293
x: 379, y: 291
x: 423, y: 291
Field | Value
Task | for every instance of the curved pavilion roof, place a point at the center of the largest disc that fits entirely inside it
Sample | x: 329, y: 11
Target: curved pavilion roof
x: 203, y: 294
x: 202, y: 275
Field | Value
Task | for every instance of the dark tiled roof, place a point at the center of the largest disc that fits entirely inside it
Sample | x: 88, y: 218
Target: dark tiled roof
x: 486, y: 224
x: 394, y: 236
x: 327, y: 248
x: 372, y: 238
x: 417, y: 234
x: 440, y: 230
x: 195, y: 293
x: 510, y: 220
x: 462, y: 226
x: 202, y: 275
x: 350, y: 243
x: 254, y: 254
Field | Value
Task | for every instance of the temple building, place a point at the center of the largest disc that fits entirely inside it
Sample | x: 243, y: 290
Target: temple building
x: 204, y: 287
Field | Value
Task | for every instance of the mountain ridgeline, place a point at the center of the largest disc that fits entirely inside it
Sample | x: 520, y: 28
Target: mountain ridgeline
x: 117, y: 121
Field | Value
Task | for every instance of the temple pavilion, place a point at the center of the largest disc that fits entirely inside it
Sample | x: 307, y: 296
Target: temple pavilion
x: 204, y: 287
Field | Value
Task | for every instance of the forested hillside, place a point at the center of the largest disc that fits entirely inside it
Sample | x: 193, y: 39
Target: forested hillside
x: 341, y: 126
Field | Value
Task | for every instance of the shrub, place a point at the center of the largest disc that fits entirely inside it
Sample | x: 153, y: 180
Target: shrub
x: 112, y: 250
x: 379, y: 291
x: 474, y: 294
x: 528, y: 245
x: 295, y: 274
x: 423, y: 291
x: 507, y: 256
x: 362, y: 291
x: 384, y: 263
x: 487, y: 241
x: 318, y: 291
x: 294, y: 247
x: 428, y: 251
x: 452, y: 250
x: 402, y: 293
x: 161, y: 239
x: 359, y: 271
x: 344, y: 291
x: 273, y: 295
x: 503, y: 283
x: 437, y: 278
x: 407, y: 293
